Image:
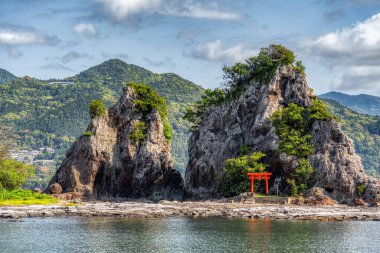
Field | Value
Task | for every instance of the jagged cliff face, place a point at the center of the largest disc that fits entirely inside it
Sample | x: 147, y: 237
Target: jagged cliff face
x: 109, y: 164
x: 227, y: 127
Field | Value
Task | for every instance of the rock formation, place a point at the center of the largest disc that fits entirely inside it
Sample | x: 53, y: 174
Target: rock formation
x: 108, y: 164
x: 227, y: 127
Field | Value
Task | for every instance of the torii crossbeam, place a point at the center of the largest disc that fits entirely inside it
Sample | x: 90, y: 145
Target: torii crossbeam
x: 259, y: 176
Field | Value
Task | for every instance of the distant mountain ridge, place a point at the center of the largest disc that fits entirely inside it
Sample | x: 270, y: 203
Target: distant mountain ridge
x: 6, y: 76
x: 361, y: 103
x: 364, y: 130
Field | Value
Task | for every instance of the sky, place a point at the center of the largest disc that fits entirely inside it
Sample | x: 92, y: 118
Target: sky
x: 337, y: 40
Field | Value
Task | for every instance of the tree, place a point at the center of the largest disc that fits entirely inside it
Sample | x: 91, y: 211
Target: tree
x: 234, y: 179
x: 97, y: 108
x: 259, y: 68
x: 147, y: 100
x: 13, y: 174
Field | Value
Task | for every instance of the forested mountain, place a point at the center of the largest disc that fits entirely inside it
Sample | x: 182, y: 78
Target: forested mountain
x: 43, y: 114
x: 6, y: 76
x: 361, y: 103
x: 364, y: 130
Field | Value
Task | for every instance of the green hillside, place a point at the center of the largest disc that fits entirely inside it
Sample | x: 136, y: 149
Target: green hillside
x: 6, y: 76
x: 364, y: 130
x: 43, y: 114
x: 361, y: 103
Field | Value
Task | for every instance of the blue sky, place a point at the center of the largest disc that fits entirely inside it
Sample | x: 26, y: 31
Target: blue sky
x: 338, y: 41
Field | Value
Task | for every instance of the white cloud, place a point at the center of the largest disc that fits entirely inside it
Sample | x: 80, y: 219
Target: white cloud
x: 361, y: 42
x: 213, y: 51
x: 192, y: 10
x: 121, y: 9
x: 16, y: 35
x: 353, y: 54
x: 17, y: 38
x: 85, y: 29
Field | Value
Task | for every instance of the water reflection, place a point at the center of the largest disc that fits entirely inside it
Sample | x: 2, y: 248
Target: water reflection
x: 186, y: 235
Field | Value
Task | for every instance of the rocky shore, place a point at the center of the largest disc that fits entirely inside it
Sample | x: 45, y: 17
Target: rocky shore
x: 194, y: 209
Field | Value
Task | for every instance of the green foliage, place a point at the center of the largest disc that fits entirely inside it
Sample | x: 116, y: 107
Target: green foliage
x: 148, y: 100
x: 24, y: 197
x: 194, y: 114
x: 244, y: 149
x: 362, y: 103
x: 13, y: 174
x: 138, y: 132
x: 299, y: 67
x: 318, y: 111
x: 364, y: 130
x: 5, y: 76
x: 88, y: 134
x: 361, y: 188
x: 234, y: 179
x: 97, y: 108
x: 260, y: 68
x: 301, y: 177
x: 293, y: 127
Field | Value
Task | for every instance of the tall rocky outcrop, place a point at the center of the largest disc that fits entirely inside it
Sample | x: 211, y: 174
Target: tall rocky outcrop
x: 227, y: 127
x: 108, y: 164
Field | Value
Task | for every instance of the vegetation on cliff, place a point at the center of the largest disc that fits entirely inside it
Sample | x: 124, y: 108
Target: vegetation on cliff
x: 97, y: 108
x: 293, y: 126
x: 260, y: 68
x: 147, y: 101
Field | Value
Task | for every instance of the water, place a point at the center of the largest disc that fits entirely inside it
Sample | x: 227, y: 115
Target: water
x: 186, y: 235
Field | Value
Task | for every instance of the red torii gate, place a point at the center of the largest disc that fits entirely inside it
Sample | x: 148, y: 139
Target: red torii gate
x: 260, y: 176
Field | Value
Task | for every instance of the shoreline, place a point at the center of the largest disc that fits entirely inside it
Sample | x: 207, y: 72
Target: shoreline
x: 194, y: 209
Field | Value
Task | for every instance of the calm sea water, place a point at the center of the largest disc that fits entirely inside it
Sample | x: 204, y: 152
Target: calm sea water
x: 186, y: 235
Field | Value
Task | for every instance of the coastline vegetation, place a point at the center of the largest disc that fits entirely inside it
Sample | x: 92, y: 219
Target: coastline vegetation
x: 13, y: 175
x: 21, y: 197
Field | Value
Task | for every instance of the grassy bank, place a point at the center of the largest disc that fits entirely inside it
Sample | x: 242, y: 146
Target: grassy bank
x: 24, y: 197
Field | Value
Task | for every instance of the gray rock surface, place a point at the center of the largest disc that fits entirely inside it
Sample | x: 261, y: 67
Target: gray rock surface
x: 109, y: 165
x: 339, y: 168
x: 195, y: 209
x: 227, y: 127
